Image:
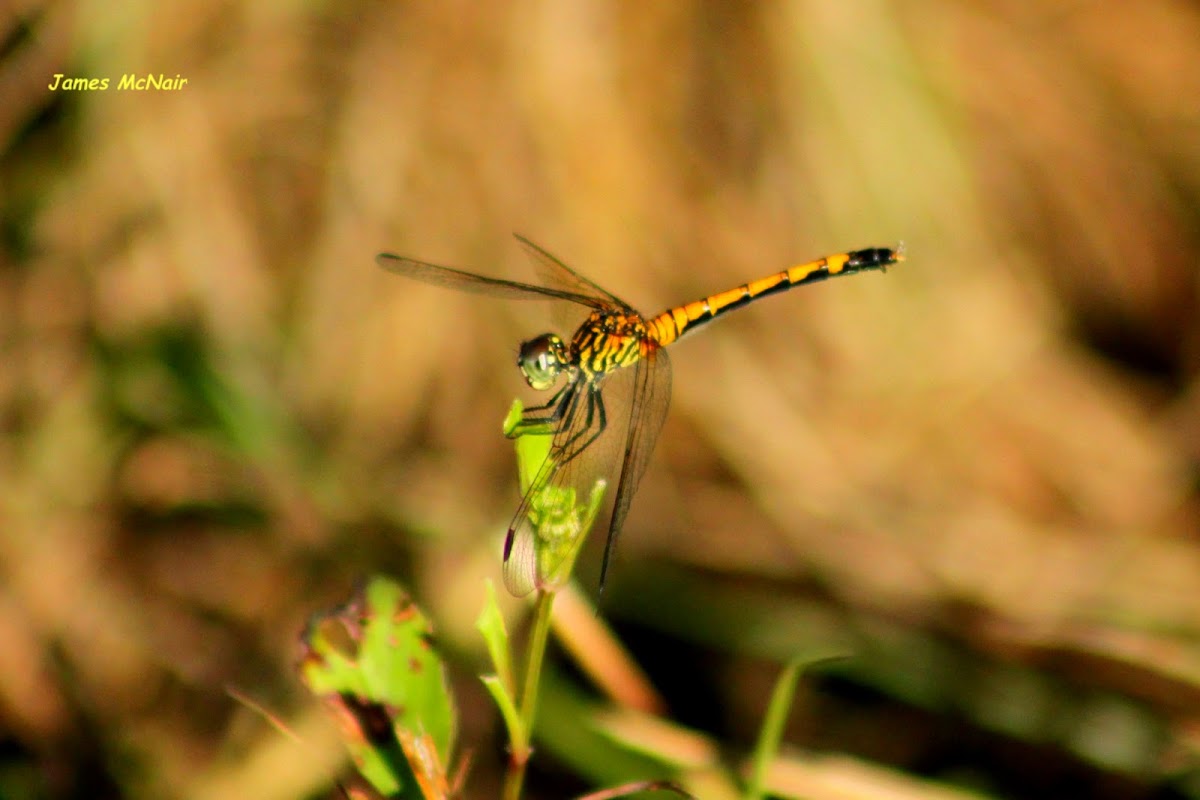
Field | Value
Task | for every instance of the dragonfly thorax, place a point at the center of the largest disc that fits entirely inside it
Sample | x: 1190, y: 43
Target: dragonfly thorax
x: 542, y: 360
x: 607, y: 341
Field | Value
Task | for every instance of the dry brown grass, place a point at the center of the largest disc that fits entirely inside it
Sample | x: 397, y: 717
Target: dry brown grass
x: 216, y: 411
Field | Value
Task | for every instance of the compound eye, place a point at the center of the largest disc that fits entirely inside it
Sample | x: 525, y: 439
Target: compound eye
x: 541, y: 360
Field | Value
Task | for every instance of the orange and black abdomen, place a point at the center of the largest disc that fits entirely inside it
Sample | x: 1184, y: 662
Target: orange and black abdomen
x: 673, y: 323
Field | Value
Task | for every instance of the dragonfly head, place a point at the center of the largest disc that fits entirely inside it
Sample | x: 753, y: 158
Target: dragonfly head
x: 542, y: 360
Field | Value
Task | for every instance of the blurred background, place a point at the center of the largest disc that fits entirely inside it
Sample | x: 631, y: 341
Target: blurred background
x: 975, y: 478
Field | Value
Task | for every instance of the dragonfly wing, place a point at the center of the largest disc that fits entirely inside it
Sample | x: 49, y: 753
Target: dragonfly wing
x: 520, y: 547
x: 520, y: 555
x: 557, y: 273
x: 477, y: 284
x: 587, y: 448
x: 647, y: 413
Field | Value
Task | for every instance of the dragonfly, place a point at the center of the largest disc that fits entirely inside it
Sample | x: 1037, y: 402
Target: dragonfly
x: 615, y: 373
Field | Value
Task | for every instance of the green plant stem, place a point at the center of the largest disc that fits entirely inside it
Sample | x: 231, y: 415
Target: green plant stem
x: 538, y: 638
x: 772, y: 727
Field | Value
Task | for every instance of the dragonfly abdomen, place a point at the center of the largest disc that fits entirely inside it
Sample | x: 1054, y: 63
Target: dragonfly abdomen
x: 674, y: 322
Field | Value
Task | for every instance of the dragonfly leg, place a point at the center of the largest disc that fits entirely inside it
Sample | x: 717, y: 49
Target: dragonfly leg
x: 551, y: 403
x: 532, y: 420
x: 595, y: 414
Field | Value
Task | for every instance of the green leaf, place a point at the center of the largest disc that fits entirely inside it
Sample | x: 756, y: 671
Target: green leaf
x: 532, y: 445
x: 562, y: 527
x: 513, y: 419
x: 772, y: 727
x: 517, y: 737
x: 559, y: 521
x: 373, y: 663
x: 491, y: 625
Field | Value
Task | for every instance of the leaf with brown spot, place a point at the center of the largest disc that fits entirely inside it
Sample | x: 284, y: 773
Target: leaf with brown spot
x: 372, y: 663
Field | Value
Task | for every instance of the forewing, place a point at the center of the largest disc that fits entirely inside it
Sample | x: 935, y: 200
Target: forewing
x: 477, y: 284
x: 647, y: 413
x: 562, y: 277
